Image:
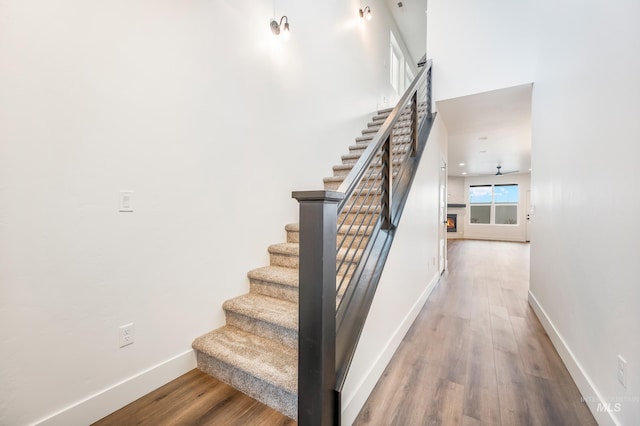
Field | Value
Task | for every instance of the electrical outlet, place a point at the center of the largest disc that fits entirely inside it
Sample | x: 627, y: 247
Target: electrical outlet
x: 622, y: 371
x: 125, y: 335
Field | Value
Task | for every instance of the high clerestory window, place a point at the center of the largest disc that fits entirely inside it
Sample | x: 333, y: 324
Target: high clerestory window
x: 494, y: 204
x: 396, y: 65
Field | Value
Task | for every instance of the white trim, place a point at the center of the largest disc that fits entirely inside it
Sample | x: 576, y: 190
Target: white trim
x: 351, y: 408
x: 105, y: 402
x: 585, y: 386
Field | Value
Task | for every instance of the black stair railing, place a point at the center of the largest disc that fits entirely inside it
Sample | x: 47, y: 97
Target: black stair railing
x: 345, y: 237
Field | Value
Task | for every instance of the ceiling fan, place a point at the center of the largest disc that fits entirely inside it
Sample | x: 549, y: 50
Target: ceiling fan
x: 500, y: 173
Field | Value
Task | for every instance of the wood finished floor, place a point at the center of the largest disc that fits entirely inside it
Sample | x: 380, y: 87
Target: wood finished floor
x: 195, y: 399
x: 476, y: 355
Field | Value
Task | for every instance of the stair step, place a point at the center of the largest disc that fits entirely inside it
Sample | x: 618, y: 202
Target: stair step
x: 378, y: 120
x: 406, y: 112
x: 256, y: 351
x: 285, y: 254
x: 263, y: 369
x: 351, y: 158
x: 275, y: 281
x: 374, y: 126
x: 400, y: 143
x: 275, y: 319
x: 366, y: 138
x: 345, y: 169
x: 294, y: 230
x: 366, y: 217
x: 332, y: 183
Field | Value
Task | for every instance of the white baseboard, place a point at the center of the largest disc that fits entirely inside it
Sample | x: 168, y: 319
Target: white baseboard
x: 105, y: 402
x: 352, y: 407
x: 589, y: 393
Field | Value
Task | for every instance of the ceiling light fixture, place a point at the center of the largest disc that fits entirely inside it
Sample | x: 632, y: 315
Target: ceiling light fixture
x: 461, y: 164
x: 275, y: 27
x: 365, y: 13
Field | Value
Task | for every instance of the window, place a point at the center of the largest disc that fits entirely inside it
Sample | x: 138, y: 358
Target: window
x: 394, y: 72
x: 396, y: 64
x: 480, y: 197
x: 506, y: 199
x: 494, y: 204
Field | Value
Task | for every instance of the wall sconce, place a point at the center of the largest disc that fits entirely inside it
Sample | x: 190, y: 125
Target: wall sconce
x: 275, y: 27
x: 365, y: 13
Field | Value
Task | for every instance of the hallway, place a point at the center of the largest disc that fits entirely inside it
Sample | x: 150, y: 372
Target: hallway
x: 476, y: 354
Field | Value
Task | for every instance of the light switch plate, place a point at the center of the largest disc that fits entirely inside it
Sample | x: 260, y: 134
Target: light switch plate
x: 125, y: 201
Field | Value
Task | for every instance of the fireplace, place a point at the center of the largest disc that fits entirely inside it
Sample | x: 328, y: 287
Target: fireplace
x: 452, y: 222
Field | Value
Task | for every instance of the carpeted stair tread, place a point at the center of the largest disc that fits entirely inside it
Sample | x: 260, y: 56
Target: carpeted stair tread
x: 290, y: 249
x: 399, y: 144
x: 366, y: 138
x: 340, y: 178
x: 264, y: 308
x: 275, y: 274
x: 351, y: 156
x: 261, y: 357
x: 370, y: 130
x: 293, y: 249
x: 295, y: 227
x: 275, y: 281
x: 342, y: 168
x: 256, y: 351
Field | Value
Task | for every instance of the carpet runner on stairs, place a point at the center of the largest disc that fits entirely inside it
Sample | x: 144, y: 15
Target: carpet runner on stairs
x: 257, y: 350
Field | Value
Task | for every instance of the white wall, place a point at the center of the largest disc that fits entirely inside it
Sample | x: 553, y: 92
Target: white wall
x: 407, y: 280
x: 585, y: 273
x: 211, y: 121
x: 478, y: 46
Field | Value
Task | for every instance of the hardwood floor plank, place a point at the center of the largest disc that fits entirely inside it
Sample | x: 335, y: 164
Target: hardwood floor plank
x: 533, y: 356
x: 501, y: 330
x: 510, y: 374
x: 476, y: 355
x: 481, y: 319
x: 481, y: 389
x: 195, y: 399
x: 515, y: 301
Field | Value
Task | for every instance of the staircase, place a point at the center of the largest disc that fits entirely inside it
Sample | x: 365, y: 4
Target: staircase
x: 257, y: 350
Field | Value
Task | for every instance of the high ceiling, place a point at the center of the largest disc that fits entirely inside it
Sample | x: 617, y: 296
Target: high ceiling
x: 487, y: 130
x: 412, y: 23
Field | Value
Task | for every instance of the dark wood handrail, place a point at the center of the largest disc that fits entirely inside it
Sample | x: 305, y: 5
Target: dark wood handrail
x: 328, y: 337
x: 357, y: 172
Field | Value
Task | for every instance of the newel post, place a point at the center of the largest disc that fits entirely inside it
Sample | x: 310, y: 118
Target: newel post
x: 317, y: 399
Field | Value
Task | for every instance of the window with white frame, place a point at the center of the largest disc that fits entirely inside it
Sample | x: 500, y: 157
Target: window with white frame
x: 494, y: 204
x: 396, y: 64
